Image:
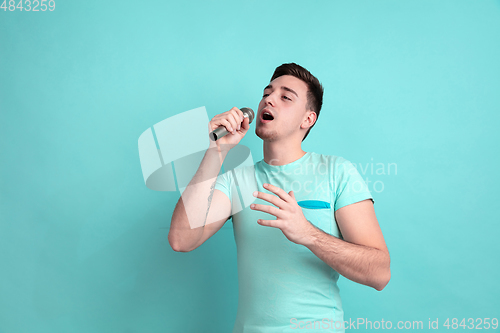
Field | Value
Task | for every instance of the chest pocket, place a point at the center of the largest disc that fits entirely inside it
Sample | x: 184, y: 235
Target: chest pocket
x: 319, y: 213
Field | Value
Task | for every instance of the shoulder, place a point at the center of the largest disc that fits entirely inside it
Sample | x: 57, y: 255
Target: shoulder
x: 239, y: 171
x: 338, y: 166
x: 334, y: 161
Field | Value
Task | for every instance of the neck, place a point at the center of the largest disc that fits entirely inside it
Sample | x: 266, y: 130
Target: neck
x: 282, y: 152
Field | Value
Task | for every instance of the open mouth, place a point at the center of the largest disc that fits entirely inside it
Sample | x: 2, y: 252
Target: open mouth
x: 267, y: 116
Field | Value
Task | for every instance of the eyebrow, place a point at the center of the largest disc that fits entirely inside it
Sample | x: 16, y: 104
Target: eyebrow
x: 269, y: 86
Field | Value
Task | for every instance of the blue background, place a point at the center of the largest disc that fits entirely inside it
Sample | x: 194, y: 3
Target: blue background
x: 83, y: 243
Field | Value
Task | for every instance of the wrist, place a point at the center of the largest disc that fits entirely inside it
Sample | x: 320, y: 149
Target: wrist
x: 311, y: 236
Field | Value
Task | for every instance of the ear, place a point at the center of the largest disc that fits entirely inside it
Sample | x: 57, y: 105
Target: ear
x: 309, y: 120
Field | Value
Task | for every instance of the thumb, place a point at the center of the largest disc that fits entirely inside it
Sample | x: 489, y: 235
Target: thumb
x: 245, y: 125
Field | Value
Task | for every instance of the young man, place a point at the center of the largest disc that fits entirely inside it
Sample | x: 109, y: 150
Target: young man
x: 313, y: 217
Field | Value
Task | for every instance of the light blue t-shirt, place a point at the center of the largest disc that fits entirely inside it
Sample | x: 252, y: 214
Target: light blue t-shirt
x: 284, y: 286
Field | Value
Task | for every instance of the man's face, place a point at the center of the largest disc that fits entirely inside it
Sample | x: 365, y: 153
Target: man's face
x: 285, y: 98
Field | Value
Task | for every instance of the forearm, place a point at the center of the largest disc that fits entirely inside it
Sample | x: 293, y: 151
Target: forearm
x: 191, y: 212
x: 362, y: 264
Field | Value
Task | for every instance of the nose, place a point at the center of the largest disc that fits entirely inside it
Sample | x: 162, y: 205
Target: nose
x: 269, y: 100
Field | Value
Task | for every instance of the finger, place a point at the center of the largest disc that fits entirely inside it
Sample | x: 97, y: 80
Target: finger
x: 225, y: 123
x: 238, y: 115
x: 218, y: 117
x: 245, y: 125
x: 270, y: 223
x: 234, y: 118
x: 239, y: 120
x: 271, y: 198
x: 278, y: 191
x: 268, y: 209
x: 292, y: 195
x: 238, y: 112
x: 234, y: 124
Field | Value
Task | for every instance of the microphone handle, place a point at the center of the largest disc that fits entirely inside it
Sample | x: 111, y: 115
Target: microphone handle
x: 220, y: 131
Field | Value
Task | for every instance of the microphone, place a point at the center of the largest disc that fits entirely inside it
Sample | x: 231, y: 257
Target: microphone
x: 220, y: 131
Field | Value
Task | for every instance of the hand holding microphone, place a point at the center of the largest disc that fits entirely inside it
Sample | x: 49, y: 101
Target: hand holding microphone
x: 235, y: 122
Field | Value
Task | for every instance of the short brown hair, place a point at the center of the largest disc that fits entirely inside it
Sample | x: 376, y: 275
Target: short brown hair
x: 314, y: 87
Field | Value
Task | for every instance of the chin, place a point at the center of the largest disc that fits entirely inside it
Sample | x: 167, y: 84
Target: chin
x: 266, y: 135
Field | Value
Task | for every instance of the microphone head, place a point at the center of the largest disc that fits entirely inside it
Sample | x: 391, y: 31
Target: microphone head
x: 249, y: 113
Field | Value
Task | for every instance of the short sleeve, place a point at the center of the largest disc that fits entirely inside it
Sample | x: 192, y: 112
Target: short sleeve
x: 223, y: 184
x: 349, y: 185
